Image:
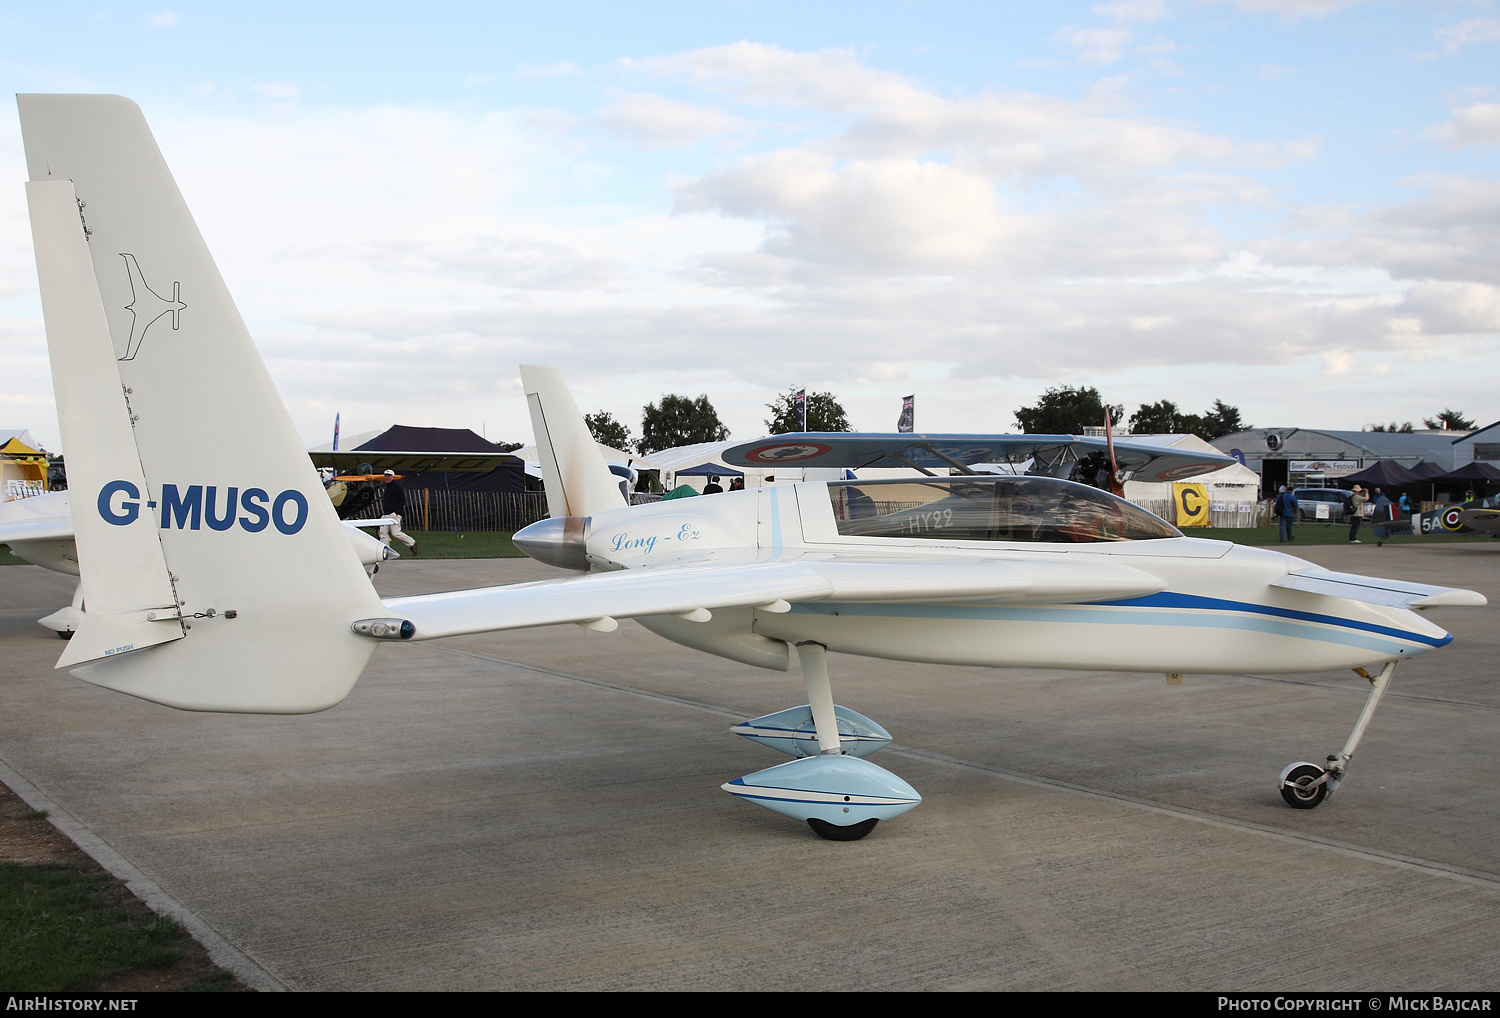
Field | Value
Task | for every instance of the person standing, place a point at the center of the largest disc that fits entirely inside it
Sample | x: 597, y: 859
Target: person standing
x: 1356, y: 513
x: 1286, y: 507
x: 393, y: 501
x: 712, y: 487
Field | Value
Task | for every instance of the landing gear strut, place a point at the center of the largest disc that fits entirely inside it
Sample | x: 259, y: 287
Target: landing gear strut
x: 841, y: 796
x: 1305, y: 785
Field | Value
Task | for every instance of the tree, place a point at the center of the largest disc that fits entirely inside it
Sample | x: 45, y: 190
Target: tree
x: 1156, y: 419
x: 608, y: 431
x: 1164, y: 418
x: 678, y: 420
x: 1404, y: 429
x: 824, y: 413
x: 1066, y: 411
x: 1222, y: 419
x: 1450, y: 420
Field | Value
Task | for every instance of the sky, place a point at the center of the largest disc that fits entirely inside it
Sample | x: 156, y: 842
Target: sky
x: 1290, y: 206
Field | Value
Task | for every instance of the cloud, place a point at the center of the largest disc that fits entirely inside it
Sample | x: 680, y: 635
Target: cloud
x: 1143, y: 11
x: 1454, y: 309
x: 1336, y: 362
x: 502, y: 263
x: 477, y: 80
x: 831, y: 80
x: 276, y: 90
x: 547, y: 72
x: 1099, y: 45
x: 398, y: 262
x: 1011, y: 134
x: 654, y: 121
x: 1478, y: 124
x: 1293, y: 10
x: 1160, y: 45
x: 161, y: 19
x: 886, y: 211
x: 1451, y: 37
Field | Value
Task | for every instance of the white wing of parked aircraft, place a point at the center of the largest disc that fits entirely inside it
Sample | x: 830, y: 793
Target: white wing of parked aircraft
x: 223, y: 580
x: 40, y: 531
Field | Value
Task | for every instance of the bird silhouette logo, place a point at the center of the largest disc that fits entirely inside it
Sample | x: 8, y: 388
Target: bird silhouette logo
x: 147, y: 307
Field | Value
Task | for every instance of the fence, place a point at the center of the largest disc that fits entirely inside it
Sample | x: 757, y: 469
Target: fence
x: 466, y: 511
x: 1220, y: 514
x: 24, y: 489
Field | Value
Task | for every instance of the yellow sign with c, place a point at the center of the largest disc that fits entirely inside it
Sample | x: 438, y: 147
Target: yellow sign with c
x: 1191, y: 503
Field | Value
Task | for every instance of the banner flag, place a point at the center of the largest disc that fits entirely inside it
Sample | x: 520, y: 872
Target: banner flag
x: 335, y: 432
x: 800, y: 400
x: 1191, y: 503
x: 906, y: 424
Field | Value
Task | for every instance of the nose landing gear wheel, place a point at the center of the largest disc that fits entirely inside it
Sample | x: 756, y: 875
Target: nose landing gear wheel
x: 1297, y: 786
x: 833, y: 832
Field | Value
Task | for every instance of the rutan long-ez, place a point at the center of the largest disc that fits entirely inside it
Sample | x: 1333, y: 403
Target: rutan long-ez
x: 216, y: 575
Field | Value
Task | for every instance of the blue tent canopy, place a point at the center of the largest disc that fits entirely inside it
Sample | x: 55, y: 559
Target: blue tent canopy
x: 709, y: 470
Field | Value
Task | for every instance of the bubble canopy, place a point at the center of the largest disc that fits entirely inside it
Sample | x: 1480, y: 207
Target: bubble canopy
x: 972, y: 508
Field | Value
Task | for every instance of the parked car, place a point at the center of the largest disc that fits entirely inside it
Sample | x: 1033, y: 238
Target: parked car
x: 1308, y: 500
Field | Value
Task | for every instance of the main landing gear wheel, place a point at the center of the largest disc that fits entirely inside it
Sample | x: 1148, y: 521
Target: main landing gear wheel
x: 1298, y: 788
x: 833, y: 832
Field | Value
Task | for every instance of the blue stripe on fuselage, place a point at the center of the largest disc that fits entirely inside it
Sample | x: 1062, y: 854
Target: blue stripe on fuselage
x: 1168, y: 599
x: 1186, y: 610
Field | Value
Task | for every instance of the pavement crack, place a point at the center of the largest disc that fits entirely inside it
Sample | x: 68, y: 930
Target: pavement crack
x: 1430, y: 867
x: 1362, y: 691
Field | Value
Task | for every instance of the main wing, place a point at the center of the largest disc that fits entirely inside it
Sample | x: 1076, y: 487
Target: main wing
x: 856, y: 450
x: 39, y: 518
x: 770, y: 585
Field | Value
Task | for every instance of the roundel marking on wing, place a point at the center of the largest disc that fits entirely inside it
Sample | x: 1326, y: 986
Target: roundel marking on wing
x: 1188, y: 470
x: 789, y: 452
x: 1453, y: 518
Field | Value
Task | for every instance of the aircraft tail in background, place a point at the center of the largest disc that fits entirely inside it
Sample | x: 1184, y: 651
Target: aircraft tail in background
x: 577, y: 478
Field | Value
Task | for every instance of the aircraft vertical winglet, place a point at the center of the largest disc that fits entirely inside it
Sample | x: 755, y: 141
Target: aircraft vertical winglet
x: 127, y: 588
x: 577, y: 479
x: 262, y: 572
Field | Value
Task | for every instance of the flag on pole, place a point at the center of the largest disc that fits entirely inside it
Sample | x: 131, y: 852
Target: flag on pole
x: 800, y: 400
x: 335, y: 432
x: 906, y: 424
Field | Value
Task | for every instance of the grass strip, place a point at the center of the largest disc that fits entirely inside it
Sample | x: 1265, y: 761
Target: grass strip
x: 466, y: 544
x: 62, y: 930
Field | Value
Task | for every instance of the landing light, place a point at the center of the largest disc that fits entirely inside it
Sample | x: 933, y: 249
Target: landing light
x: 385, y: 629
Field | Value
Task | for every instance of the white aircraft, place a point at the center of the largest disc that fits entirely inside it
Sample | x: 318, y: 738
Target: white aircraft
x: 217, y: 576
